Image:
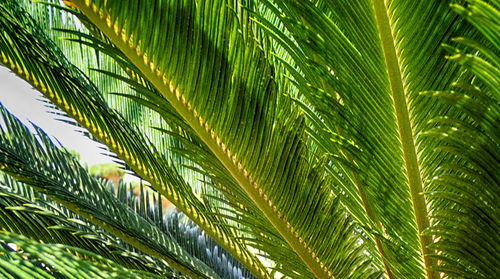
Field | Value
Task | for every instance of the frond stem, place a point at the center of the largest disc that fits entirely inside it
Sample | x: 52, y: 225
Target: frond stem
x: 405, y: 132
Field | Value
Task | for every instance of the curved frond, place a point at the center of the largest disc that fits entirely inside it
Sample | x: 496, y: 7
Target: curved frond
x: 361, y: 66
x: 54, y: 172
x: 36, y: 260
x: 465, y: 195
x: 187, y: 234
x: 32, y: 56
x: 25, y: 212
x: 273, y: 168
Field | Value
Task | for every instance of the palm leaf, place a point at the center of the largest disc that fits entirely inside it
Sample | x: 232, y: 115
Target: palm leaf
x: 227, y: 132
x: 188, y: 235
x: 32, y: 215
x: 359, y: 173
x: 64, y: 181
x: 37, y: 64
x: 198, y: 152
x: 57, y: 261
x: 464, y: 195
x: 363, y: 84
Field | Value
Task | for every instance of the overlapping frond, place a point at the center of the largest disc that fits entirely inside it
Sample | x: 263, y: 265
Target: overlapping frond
x: 189, y: 236
x: 54, y: 172
x: 31, y: 214
x: 313, y: 151
x: 341, y: 76
x: 26, y: 212
x: 32, y: 259
x: 32, y: 56
x: 223, y: 87
x: 191, y: 147
x: 53, y: 18
x: 465, y: 193
x: 361, y: 65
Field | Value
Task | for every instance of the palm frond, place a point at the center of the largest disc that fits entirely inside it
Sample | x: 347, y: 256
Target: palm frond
x: 361, y: 81
x: 189, y: 236
x: 31, y: 214
x: 36, y: 260
x: 54, y: 172
x: 188, y: 144
x: 465, y: 194
x: 273, y: 166
x: 45, y: 68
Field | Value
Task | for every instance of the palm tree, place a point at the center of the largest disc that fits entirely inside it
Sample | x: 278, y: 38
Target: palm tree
x: 308, y: 139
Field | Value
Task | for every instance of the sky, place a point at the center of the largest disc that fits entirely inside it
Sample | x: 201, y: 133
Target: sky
x: 21, y: 99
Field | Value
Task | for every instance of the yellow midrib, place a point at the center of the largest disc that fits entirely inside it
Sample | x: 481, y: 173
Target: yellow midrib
x: 207, y: 135
x: 405, y: 131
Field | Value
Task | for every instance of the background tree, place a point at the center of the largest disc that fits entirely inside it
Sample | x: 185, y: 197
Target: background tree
x: 307, y: 138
